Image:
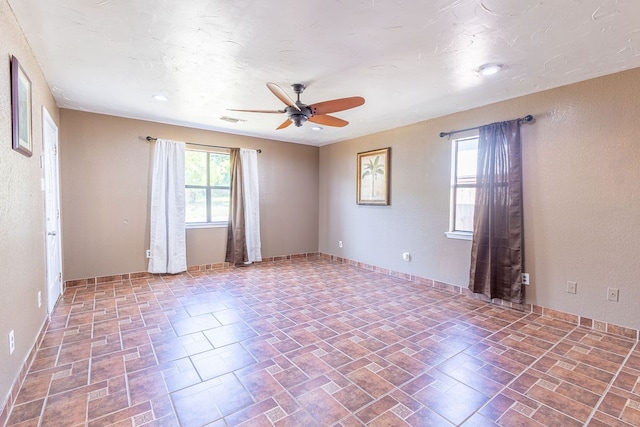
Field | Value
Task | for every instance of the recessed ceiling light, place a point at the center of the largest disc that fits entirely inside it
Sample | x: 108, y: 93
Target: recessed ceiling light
x: 490, y: 69
x: 160, y: 98
x: 316, y: 128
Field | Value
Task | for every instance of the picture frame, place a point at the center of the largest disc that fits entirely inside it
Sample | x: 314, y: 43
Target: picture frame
x: 373, y: 177
x: 21, y: 112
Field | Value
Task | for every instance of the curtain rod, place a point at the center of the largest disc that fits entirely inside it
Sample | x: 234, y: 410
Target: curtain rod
x: 153, y: 138
x: 527, y: 118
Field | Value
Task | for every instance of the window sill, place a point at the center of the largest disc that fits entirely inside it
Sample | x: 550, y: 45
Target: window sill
x: 460, y: 235
x: 206, y: 225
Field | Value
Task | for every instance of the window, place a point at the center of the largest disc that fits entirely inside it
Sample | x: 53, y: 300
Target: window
x: 463, y: 186
x: 207, y: 182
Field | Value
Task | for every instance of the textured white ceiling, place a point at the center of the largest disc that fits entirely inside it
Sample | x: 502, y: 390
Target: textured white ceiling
x: 411, y: 60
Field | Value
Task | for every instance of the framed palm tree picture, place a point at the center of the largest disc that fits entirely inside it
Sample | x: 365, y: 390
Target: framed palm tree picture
x: 21, y: 109
x: 373, y: 177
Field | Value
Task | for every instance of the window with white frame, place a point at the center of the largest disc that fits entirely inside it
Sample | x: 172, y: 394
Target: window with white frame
x: 207, y: 187
x: 464, y: 160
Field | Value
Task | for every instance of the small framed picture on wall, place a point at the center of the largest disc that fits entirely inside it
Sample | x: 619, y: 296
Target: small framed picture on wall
x: 21, y: 109
x: 373, y: 177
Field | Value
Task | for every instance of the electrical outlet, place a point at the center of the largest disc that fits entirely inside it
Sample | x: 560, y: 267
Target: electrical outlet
x: 148, y: 253
x: 339, y: 243
x: 613, y: 294
x: 39, y: 299
x: 406, y: 256
x: 525, y: 278
x: 12, y: 342
x: 572, y: 287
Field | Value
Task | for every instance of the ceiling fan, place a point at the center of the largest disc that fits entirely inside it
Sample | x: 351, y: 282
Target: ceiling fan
x: 298, y: 112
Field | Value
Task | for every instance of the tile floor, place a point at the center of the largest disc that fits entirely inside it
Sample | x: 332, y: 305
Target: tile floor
x: 314, y: 343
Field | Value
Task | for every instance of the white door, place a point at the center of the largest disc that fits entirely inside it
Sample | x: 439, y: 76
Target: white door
x: 52, y: 209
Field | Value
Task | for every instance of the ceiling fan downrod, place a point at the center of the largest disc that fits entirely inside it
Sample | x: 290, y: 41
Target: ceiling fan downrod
x: 298, y: 117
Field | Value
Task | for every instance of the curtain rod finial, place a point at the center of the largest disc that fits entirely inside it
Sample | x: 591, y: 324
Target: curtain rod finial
x: 443, y: 134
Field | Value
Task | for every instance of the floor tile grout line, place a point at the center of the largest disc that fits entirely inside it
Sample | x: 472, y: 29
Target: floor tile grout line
x: 153, y: 349
x: 27, y: 371
x: 462, y: 352
x: 399, y: 387
x: 44, y: 404
x: 577, y: 328
x: 290, y: 360
x: 387, y: 346
x: 349, y: 412
x: 370, y: 352
x: 613, y: 379
x: 574, y: 328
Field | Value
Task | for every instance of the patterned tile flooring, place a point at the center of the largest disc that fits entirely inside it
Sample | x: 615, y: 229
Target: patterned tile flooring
x: 313, y: 343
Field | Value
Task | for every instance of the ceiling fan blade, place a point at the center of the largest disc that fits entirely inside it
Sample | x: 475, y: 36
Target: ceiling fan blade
x: 336, y: 105
x: 323, y: 119
x: 256, y: 111
x: 282, y: 95
x: 284, y: 124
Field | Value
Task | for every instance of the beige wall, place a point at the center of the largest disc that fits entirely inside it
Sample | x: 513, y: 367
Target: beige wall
x: 582, y: 197
x: 22, y: 251
x: 106, y: 169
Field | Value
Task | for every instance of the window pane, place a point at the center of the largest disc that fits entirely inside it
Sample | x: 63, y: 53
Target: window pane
x: 195, y: 172
x: 467, y: 158
x: 219, y: 171
x: 220, y: 204
x: 207, y: 170
x: 196, y: 205
x: 465, y: 201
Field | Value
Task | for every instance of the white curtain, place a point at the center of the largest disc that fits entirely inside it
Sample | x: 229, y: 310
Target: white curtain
x: 249, y: 160
x: 168, y: 240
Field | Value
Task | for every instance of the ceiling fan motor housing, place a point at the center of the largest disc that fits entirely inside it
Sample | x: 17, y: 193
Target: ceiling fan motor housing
x: 298, y: 117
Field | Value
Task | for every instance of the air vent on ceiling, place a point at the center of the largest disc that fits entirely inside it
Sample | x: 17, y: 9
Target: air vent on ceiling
x: 232, y: 119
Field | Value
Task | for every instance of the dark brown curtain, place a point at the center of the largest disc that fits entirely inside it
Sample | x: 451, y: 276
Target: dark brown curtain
x: 497, y: 252
x: 236, y: 242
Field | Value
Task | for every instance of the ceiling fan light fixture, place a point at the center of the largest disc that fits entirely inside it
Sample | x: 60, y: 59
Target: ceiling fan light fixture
x: 298, y: 119
x: 490, y: 69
